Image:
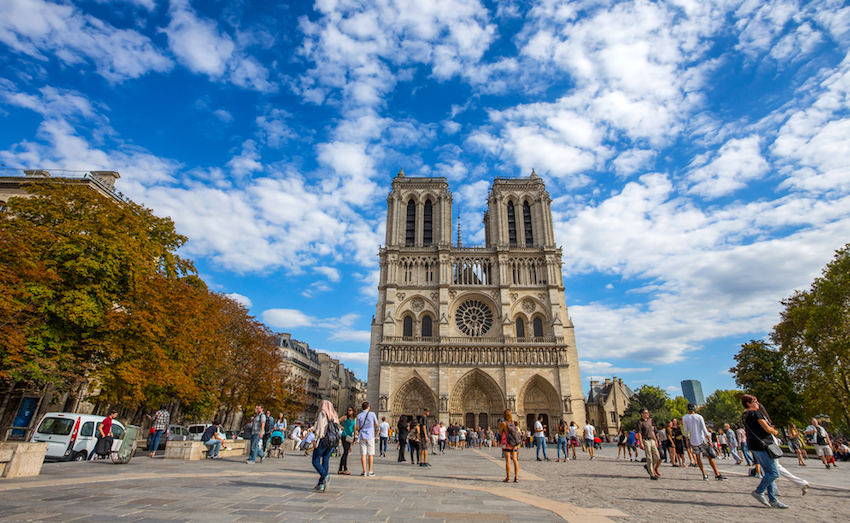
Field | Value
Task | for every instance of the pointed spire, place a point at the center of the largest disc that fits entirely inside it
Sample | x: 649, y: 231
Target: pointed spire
x: 459, y: 238
x: 533, y: 174
x: 401, y: 173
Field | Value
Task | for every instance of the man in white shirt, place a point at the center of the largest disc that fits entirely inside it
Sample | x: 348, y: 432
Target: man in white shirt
x: 540, y: 437
x: 589, y: 435
x: 820, y: 437
x: 700, y: 440
x: 295, y: 436
x: 384, y: 434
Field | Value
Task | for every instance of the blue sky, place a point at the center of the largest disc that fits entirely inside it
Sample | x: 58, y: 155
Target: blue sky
x: 697, y: 152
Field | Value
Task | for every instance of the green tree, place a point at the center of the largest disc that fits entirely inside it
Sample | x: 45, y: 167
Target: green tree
x: 814, y: 337
x: 723, y: 406
x: 678, y: 406
x: 761, y: 371
x: 653, y: 398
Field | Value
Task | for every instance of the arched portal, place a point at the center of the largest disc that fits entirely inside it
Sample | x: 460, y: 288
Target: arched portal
x: 539, y: 397
x: 476, y: 397
x: 411, y: 399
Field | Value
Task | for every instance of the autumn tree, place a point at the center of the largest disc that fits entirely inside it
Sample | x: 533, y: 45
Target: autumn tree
x: 762, y: 372
x: 814, y: 337
x: 722, y: 406
x: 653, y: 398
x: 678, y: 407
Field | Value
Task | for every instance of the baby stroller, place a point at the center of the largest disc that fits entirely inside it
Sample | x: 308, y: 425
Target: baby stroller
x: 276, y: 444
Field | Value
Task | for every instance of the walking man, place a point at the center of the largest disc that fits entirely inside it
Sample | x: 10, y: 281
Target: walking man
x: 384, y: 435
x: 646, y: 439
x: 257, y: 430
x: 160, y: 425
x: 700, y: 440
x: 732, y: 441
x: 589, y: 433
x: 823, y: 445
x: 540, y: 437
x: 365, y: 427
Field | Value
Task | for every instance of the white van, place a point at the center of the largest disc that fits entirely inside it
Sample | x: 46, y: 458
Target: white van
x: 197, y: 430
x: 71, y: 436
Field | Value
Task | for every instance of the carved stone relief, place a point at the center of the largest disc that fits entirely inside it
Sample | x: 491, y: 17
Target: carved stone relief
x: 435, y: 295
x: 528, y: 306
x: 399, y: 295
x: 417, y: 304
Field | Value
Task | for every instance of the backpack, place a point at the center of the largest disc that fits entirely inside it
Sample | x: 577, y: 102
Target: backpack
x: 514, y: 437
x: 331, y: 437
x: 821, y: 438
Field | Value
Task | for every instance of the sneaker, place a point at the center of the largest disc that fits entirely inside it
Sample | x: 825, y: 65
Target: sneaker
x: 251, y: 462
x: 370, y: 474
x: 362, y: 473
x: 327, y: 481
x: 546, y: 459
x: 805, y: 489
x: 538, y: 459
x: 719, y: 478
x: 321, y: 488
x: 654, y: 478
x: 591, y: 459
x: 778, y: 504
x: 759, y: 476
x: 705, y: 477
x: 760, y: 498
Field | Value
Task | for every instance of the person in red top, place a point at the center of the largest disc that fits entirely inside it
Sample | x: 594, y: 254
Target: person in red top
x: 104, y: 430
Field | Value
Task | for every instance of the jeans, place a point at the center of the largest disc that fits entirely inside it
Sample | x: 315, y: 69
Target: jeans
x: 255, y: 448
x: 155, y: 440
x: 540, y: 441
x: 770, y: 472
x: 214, y: 445
x: 321, y: 458
x: 745, y: 449
x: 382, y: 448
x: 562, y: 444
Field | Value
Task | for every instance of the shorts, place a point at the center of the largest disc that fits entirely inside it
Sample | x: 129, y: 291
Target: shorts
x: 702, y: 448
x: 367, y: 447
x: 823, y: 450
x: 794, y: 445
x: 588, y: 442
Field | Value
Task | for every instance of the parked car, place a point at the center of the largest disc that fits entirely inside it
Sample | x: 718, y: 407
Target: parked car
x: 172, y: 433
x: 233, y: 434
x: 196, y: 431
x: 71, y: 436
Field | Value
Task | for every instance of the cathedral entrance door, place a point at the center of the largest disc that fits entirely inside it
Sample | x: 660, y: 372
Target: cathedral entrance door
x: 470, y: 420
x: 476, y: 400
x: 484, y: 420
x: 539, y: 398
x: 529, y: 422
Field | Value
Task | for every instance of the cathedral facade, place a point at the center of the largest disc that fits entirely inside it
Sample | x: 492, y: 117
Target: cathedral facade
x: 471, y: 331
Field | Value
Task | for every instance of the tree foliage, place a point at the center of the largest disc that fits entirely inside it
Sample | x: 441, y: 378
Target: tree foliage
x: 678, y: 407
x: 92, y: 290
x: 653, y: 398
x: 814, y: 337
x: 723, y: 406
x: 761, y: 371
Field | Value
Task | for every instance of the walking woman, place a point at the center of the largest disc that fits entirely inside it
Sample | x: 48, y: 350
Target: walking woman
x: 347, y: 423
x: 621, y: 443
x: 413, y: 438
x: 794, y: 444
x: 322, y: 454
x: 403, y: 429
x: 562, y: 440
x: 759, y: 431
x: 510, y: 451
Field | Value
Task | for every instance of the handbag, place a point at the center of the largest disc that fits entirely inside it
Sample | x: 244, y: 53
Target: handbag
x: 772, y: 448
x: 349, y: 439
x: 712, y: 452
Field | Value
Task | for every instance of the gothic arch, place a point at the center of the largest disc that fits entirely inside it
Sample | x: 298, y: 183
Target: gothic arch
x: 538, y: 396
x: 413, y: 396
x: 540, y: 309
x: 476, y: 393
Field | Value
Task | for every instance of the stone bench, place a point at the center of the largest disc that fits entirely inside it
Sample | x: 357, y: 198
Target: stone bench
x: 20, y: 459
x: 196, y: 450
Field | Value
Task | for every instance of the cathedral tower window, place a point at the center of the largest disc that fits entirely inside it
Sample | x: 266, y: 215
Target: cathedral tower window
x: 520, y: 328
x: 407, y: 332
x: 411, y: 224
x: 526, y: 216
x: 426, y: 327
x: 538, y: 327
x: 427, y: 221
x: 511, y: 224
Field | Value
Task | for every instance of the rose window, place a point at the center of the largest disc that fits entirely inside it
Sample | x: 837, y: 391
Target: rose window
x: 474, y: 318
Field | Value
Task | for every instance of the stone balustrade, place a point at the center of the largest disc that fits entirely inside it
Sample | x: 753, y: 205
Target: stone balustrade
x: 20, y: 459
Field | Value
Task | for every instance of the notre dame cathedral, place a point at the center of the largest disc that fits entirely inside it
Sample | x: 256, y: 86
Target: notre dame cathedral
x: 471, y: 331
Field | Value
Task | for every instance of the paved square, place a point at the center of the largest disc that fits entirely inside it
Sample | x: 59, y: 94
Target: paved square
x: 460, y: 486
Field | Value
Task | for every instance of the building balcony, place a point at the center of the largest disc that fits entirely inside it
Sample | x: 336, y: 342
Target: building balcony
x: 466, y: 340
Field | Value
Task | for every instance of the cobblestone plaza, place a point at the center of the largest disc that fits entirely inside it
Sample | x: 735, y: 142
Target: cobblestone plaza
x: 460, y: 486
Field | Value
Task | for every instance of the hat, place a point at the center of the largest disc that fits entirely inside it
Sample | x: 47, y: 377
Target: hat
x: 692, y: 407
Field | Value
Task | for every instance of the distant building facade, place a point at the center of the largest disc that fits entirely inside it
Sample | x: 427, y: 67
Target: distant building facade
x: 606, y: 404
x: 692, y: 391
x: 303, y: 364
x: 13, y: 182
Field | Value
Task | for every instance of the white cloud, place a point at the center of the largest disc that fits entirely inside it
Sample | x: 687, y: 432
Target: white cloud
x: 340, y: 327
x: 201, y: 46
x: 736, y: 163
x: 595, y: 369
x: 287, y: 319
x: 244, y: 300
x: 330, y: 273
x: 37, y: 27
x: 247, y: 162
x: 350, y: 358
x: 223, y: 115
